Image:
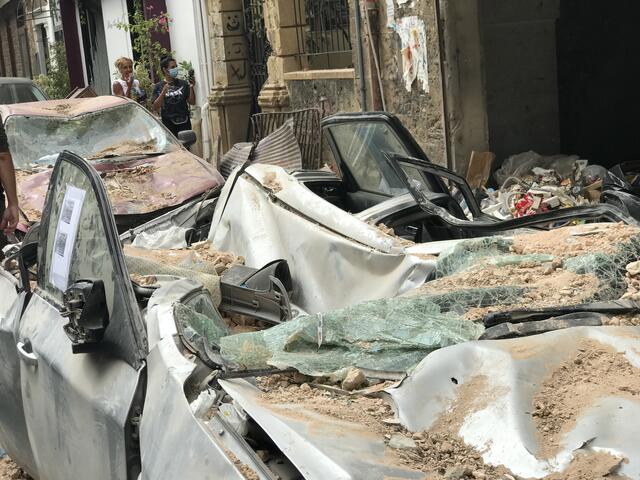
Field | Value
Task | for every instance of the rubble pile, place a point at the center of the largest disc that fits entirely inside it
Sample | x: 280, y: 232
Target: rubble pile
x: 197, y: 255
x: 565, y: 266
x: 382, y: 228
x: 439, y: 451
x: 442, y: 455
x: 199, y: 262
x: 595, y: 372
x: 128, y: 147
x: 529, y: 183
x: 122, y: 185
x: 10, y: 471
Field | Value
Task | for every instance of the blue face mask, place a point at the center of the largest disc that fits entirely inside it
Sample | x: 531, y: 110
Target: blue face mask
x: 173, y: 72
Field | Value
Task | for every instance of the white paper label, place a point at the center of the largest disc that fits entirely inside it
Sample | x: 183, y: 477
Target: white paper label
x: 391, y: 14
x: 65, y: 237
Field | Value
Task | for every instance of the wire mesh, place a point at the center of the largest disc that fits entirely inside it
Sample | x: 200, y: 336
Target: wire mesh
x: 306, y: 128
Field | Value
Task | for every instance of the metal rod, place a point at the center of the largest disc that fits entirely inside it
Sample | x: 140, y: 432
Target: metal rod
x: 360, y: 56
x: 444, y: 86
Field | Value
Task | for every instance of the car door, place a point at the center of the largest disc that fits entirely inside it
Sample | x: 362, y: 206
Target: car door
x: 361, y: 144
x: 13, y: 428
x: 81, y: 408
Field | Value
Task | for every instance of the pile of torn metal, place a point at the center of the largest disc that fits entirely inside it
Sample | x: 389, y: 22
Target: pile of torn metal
x: 529, y: 184
x: 336, y: 350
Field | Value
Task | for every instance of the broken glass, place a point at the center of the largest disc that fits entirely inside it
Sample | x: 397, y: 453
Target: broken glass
x: 123, y: 130
x: 391, y: 335
x: 566, y: 266
x: 196, y: 327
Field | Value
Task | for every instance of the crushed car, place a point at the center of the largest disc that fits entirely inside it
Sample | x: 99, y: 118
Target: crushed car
x: 222, y: 358
x: 146, y: 170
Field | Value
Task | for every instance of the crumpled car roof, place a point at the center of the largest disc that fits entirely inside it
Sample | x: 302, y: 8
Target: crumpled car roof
x: 336, y: 260
x: 62, y: 108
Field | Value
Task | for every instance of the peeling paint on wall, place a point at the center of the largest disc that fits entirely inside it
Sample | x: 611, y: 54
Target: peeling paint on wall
x: 413, y: 40
x: 391, y: 20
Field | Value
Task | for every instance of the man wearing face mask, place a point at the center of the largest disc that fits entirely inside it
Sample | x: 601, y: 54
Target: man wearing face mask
x: 172, y: 97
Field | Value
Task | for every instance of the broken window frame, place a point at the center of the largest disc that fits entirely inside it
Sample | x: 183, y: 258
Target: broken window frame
x: 486, y: 224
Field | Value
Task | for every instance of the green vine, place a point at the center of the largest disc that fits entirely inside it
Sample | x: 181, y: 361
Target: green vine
x: 148, y: 51
x: 55, y: 84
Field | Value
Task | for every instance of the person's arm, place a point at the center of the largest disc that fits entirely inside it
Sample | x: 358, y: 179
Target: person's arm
x: 192, y: 92
x: 159, y: 101
x: 11, y: 214
x: 117, y: 89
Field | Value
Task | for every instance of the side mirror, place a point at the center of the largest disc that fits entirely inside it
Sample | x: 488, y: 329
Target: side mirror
x: 85, y: 304
x: 187, y: 138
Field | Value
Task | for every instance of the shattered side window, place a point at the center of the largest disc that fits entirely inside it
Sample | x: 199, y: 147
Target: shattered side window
x: 123, y: 131
x: 28, y: 93
x: 197, y: 327
x: 76, y: 241
x: 365, y: 147
x: 5, y: 94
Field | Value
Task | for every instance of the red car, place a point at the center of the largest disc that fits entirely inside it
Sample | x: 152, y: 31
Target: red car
x: 146, y: 170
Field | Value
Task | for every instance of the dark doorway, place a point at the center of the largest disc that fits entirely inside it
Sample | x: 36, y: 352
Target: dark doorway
x: 598, y: 71
x: 560, y: 77
x: 95, y: 47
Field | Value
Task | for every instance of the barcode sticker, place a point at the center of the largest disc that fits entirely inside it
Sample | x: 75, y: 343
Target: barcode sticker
x: 65, y: 238
x: 61, y: 243
x: 67, y: 211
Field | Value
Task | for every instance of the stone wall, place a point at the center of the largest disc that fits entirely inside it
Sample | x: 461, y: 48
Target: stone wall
x: 8, y: 22
x: 420, y: 111
x: 331, y: 96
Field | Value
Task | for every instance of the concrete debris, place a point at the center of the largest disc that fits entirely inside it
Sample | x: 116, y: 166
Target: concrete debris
x: 354, y: 379
x: 10, y: 471
x: 195, y: 256
x: 633, y: 268
x: 400, y: 442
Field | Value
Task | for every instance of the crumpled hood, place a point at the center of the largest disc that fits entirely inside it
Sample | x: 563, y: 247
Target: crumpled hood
x: 531, y: 404
x: 319, y: 446
x: 135, y: 187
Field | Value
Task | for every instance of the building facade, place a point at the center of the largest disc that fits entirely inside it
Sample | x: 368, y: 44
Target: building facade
x: 275, y: 55
x: 28, y: 28
x: 553, y: 76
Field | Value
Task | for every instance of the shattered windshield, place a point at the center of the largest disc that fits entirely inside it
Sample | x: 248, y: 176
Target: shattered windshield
x: 121, y: 131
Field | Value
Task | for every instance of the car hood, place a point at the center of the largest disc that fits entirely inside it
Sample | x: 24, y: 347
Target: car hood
x: 136, y: 186
x: 465, y: 391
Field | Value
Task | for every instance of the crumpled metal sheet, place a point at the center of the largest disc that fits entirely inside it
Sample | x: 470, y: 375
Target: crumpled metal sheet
x: 321, y: 447
x: 173, y: 442
x: 336, y: 260
x: 278, y: 148
x: 504, y: 430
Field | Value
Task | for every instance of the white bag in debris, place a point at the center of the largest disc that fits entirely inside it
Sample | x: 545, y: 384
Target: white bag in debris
x: 173, y: 238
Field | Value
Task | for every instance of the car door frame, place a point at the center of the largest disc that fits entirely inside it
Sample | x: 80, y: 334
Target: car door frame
x: 484, y: 224
x: 82, y: 409
x: 393, y: 123
x: 14, y: 437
